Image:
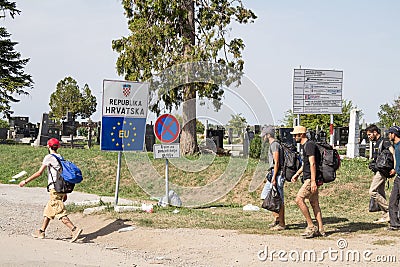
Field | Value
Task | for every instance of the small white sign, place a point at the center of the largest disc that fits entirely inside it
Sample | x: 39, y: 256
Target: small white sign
x: 166, y: 151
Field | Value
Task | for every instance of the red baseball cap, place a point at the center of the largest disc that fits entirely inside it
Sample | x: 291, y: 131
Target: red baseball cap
x: 53, y: 142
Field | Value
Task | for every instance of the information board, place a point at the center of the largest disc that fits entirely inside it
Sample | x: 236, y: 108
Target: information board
x: 317, y: 91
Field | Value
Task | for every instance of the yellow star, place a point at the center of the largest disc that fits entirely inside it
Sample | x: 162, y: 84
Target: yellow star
x: 116, y: 144
x: 124, y: 122
x: 134, y: 134
x: 118, y: 123
x: 134, y: 128
x: 129, y: 144
x: 112, y: 133
x: 130, y: 124
x: 133, y: 140
x: 114, y: 127
x: 113, y: 140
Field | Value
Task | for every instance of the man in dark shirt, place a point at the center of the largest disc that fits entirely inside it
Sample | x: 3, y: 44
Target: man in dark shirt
x: 377, y: 188
x: 309, y: 189
x: 394, y: 135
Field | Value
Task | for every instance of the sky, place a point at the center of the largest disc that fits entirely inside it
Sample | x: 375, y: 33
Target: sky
x: 359, y: 37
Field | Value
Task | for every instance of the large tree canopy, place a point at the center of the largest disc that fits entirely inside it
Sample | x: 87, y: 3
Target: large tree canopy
x: 389, y: 114
x: 69, y: 98
x: 13, y: 79
x: 167, y: 33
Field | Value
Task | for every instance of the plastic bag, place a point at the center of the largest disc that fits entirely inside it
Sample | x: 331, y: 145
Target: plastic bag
x: 373, y: 206
x: 273, y: 201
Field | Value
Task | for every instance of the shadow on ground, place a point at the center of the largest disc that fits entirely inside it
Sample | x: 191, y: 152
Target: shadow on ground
x: 341, y: 225
x: 106, y: 230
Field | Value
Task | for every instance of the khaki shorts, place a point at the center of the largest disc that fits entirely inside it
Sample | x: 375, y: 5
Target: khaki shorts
x: 305, y: 191
x: 55, y: 207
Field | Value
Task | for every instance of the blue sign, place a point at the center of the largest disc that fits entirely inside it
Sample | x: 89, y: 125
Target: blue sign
x: 122, y: 134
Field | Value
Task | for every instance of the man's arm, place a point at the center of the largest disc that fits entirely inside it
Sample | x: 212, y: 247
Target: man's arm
x: 313, y: 169
x: 393, y: 171
x: 276, y: 166
x: 33, y: 176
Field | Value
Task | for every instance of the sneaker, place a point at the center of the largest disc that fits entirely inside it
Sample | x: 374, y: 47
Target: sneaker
x: 75, y: 234
x: 278, y: 228
x: 393, y: 228
x: 38, y: 234
x: 322, y: 234
x: 382, y: 220
x: 307, y: 231
x: 311, y: 232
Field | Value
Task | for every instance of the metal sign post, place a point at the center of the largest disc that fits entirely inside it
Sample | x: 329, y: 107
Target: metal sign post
x: 166, y: 129
x: 118, y: 178
x: 166, y: 181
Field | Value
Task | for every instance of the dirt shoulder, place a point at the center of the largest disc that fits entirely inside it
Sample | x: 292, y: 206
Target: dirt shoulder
x: 102, y: 244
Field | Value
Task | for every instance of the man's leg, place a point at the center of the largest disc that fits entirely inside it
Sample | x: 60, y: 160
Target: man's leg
x: 377, y: 191
x: 67, y: 222
x: 304, y: 192
x: 314, y: 201
x: 45, y: 223
x: 75, y: 232
x: 394, y: 204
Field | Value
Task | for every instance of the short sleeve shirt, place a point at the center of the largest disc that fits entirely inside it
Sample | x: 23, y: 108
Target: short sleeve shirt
x: 52, y: 168
x: 273, y: 147
x: 309, y: 149
x: 397, y: 156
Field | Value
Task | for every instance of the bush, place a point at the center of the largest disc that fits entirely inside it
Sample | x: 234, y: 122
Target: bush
x: 255, y: 147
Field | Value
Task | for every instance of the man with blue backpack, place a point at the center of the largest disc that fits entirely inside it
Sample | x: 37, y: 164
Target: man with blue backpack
x: 55, y: 207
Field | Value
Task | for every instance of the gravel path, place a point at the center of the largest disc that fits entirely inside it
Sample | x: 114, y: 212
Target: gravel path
x: 103, y: 245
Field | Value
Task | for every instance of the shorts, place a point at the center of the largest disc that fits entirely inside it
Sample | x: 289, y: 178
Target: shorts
x: 55, y: 208
x: 305, y: 191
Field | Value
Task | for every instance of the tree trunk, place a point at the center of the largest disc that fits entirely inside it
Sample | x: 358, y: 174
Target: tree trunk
x: 188, y: 141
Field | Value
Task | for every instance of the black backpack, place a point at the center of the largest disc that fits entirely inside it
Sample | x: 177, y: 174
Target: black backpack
x: 289, y: 160
x: 329, y: 162
x: 385, y: 163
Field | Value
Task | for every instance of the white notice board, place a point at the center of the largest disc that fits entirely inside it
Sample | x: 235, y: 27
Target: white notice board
x: 317, y: 91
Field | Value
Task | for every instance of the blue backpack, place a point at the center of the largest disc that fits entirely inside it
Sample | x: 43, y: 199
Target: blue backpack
x: 70, y: 172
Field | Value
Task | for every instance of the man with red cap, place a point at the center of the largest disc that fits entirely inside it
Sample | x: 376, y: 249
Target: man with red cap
x: 55, y: 208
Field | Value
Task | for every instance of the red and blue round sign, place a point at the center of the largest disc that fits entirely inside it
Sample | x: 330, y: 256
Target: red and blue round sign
x: 166, y: 128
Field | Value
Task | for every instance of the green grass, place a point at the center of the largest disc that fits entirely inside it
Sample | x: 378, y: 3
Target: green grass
x: 344, y: 202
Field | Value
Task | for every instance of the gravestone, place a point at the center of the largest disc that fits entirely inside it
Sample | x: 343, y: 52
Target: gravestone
x: 354, y: 135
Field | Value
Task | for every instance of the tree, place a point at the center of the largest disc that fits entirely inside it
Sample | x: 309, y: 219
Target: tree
x: 200, y: 128
x: 13, y: 79
x: 312, y: 121
x: 237, y: 123
x: 4, y: 124
x: 168, y: 33
x: 88, y: 103
x: 68, y: 98
x: 389, y: 114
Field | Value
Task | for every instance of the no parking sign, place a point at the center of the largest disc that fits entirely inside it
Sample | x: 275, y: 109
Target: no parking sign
x: 166, y: 128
